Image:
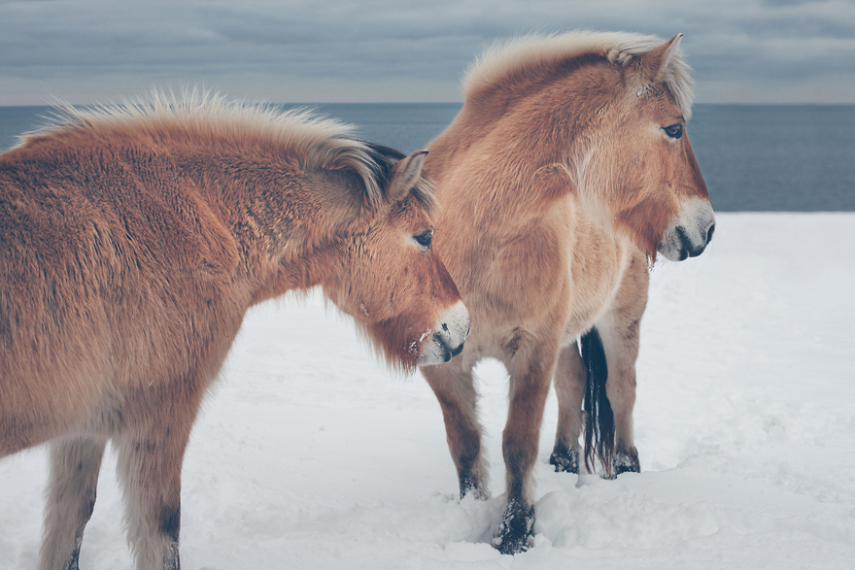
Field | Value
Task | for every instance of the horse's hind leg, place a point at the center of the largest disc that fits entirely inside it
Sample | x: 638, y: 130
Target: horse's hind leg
x: 74, y: 467
x: 621, y: 347
x: 570, y: 389
x: 151, y: 453
x: 619, y: 330
x: 453, y: 385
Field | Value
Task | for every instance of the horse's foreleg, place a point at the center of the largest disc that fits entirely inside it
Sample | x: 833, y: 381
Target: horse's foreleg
x: 150, y: 458
x: 531, y: 371
x: 452, y: 383
x: 74, y: 466
x: 569, y: 383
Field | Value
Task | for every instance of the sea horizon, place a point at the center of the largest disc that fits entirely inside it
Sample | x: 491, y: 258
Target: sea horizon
x: 755, y: 157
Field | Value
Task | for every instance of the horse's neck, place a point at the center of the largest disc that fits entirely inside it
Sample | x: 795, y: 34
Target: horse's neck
x: 265, y: 203
x: 299, y: 272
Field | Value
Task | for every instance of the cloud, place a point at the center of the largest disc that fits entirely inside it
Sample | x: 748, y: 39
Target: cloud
x: 403, y: 49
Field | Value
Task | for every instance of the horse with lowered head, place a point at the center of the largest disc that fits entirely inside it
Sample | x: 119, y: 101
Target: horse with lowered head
x: 564, y: 175
x: 133, y: 239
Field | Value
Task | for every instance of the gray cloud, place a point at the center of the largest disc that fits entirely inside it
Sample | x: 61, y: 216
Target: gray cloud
x: 259, y: 48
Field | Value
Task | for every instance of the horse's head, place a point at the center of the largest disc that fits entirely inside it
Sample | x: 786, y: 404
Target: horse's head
x: 392, y: 282
x: 644, y: 167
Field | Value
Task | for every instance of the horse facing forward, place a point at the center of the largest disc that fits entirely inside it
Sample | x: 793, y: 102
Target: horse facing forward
x: 133, y: 240
x: 566, y: 171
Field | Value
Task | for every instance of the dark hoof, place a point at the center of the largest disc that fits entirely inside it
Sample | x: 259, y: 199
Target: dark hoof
x: 515, y: 532
x: 626, y: 462
x: 565, y: 460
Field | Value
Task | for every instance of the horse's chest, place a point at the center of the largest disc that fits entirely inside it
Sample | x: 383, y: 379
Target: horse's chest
x: 515, y: 282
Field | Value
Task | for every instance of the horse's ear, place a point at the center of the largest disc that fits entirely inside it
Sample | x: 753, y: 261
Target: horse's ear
x: 405, y: 174
x: 655, y: 62
x: 554, y: 181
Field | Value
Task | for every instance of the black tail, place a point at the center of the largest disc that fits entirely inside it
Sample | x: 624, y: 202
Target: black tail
x: 599, y: 418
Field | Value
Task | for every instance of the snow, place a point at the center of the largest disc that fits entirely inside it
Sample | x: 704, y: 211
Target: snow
x: 310, y: 454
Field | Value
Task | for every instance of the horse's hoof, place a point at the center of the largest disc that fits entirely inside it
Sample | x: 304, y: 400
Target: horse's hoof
x: 626, y: 462
x: 564, y: 460
x: 515, y: 532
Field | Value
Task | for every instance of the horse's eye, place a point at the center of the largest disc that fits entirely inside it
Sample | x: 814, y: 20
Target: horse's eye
x: 674, y: 131
x: 424, y: 239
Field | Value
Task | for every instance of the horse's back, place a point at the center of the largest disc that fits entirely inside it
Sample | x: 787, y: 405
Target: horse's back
x: 109, y: 275
x: 51, y: 333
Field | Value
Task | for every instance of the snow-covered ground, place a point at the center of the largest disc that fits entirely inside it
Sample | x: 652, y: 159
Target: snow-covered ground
x: 311, y: 455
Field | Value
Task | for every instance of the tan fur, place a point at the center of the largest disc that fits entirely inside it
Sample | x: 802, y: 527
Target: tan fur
x: 132, y: 242
x: 557, y: 183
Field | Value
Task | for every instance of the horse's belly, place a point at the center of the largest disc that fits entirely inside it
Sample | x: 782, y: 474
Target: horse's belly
x: 581, y: 322
x: 598, y: 266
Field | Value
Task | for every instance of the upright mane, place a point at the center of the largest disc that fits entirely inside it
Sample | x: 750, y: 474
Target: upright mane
x: 518, y: 58
x: 320, y: 142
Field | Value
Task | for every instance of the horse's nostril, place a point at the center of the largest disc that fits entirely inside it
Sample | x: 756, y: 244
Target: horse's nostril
x: 685, y: 242
x: 710, y: 233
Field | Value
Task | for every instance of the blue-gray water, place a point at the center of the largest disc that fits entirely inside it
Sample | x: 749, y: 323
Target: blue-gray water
x: 798, y: 158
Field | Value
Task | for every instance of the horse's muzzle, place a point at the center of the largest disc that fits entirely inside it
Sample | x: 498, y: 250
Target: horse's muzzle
x: 691, y: 233
x: 447, y: 338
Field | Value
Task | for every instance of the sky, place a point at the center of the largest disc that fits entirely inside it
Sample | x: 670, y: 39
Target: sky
x: 303, y: 51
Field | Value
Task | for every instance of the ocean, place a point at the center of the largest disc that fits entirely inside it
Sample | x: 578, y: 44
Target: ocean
x: 754, y: 158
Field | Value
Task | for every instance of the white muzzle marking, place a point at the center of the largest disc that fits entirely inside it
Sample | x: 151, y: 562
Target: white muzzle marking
x: 445, y: 340
x: 689, y: 235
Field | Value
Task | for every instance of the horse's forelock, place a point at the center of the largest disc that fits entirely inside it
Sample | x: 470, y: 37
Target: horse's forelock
x: 674, y: 75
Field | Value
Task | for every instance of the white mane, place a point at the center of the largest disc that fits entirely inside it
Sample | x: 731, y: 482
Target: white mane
x: 506, y: 57
x: 325, y: 143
